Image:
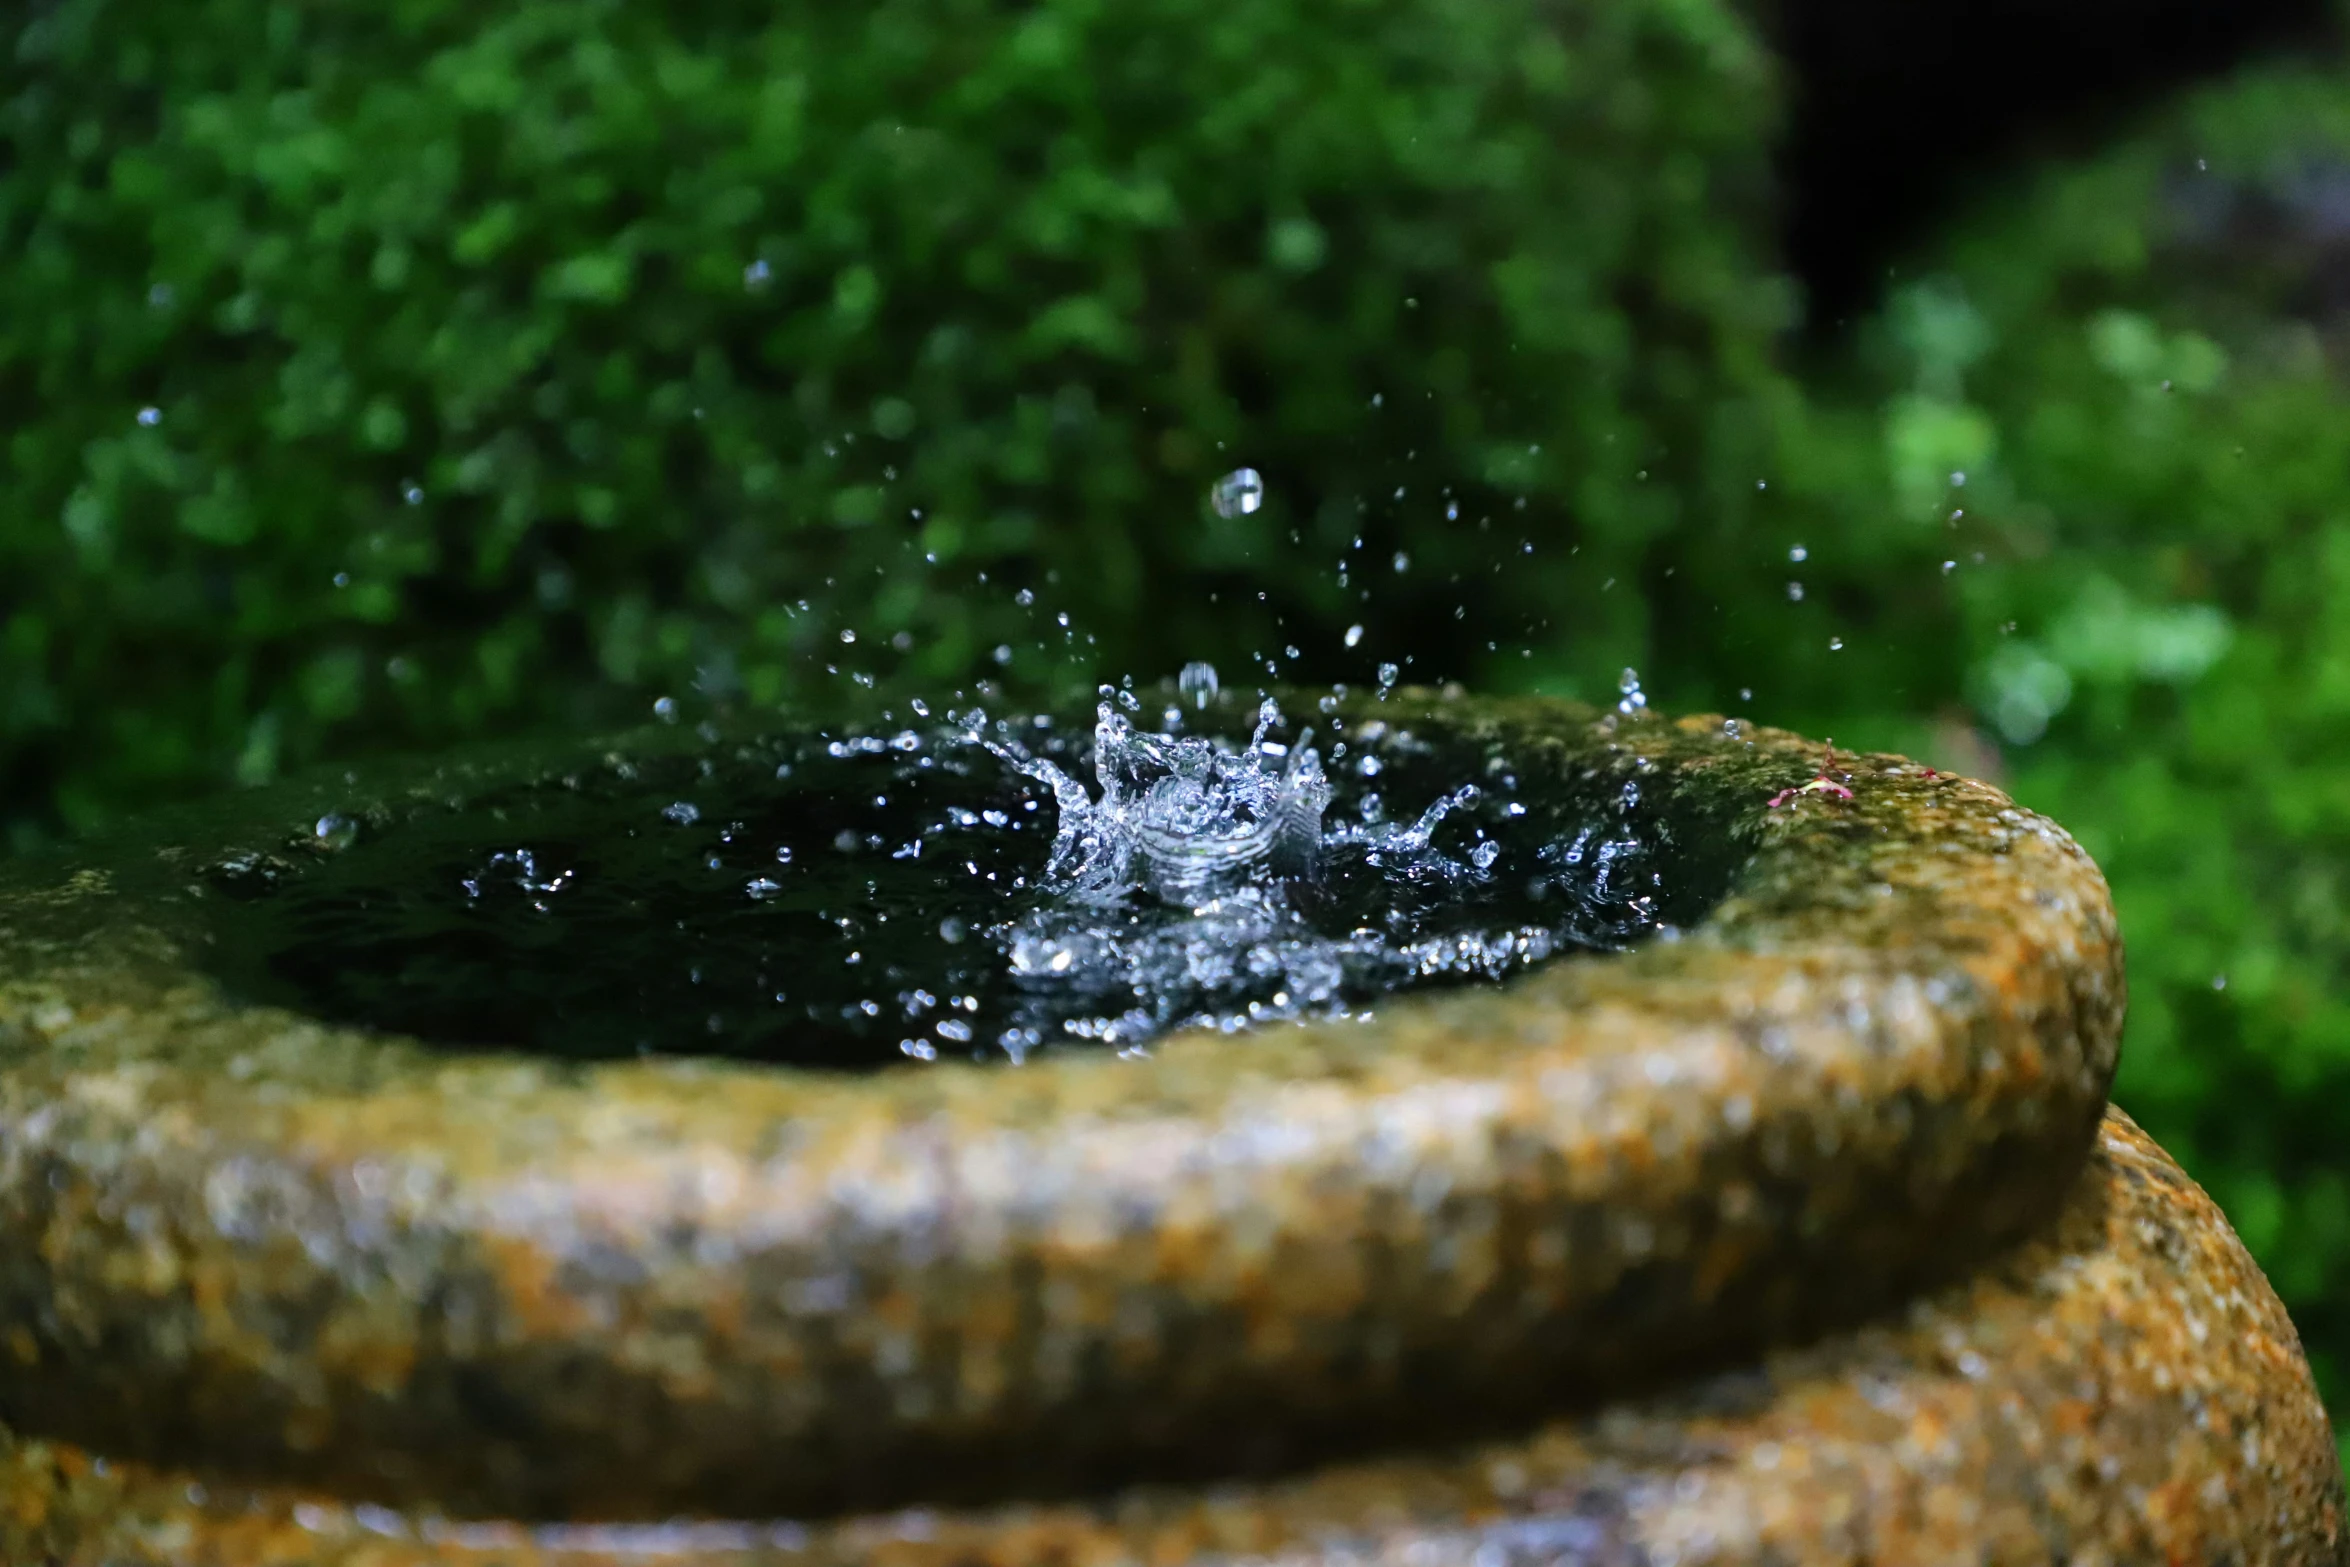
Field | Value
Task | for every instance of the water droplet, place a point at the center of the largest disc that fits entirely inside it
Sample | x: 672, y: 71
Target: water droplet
x: 1025, y: 597
x: 1485, y: 854
x: 1746, y: 693
x: 1948, y: 567
x: 334, y: 831
x: 1634, y: 698
x: 1239, y: 493
x: 1835, y: 644
x: 1354, y: 634
x: 950, y: 929
x: 1198, y: 682
x: 848, y: 636
x: 1387, y: 675
x: 413, y: 495
x: 1452, y: 511
x: 150, y: 416
x: 683, y: 812
x: 1403, y: 562
x: 665, y: 709
x: 1958, y: 480
x: 757, y: 275
x: 1799, y: 554
x: 761, y: 888
x: 1795, y: 592
x: 2219, y: 982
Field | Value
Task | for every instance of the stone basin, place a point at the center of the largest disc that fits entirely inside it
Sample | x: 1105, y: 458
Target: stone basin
x: 1791, y: 1237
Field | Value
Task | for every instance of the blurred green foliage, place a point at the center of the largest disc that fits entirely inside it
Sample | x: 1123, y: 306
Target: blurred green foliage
x: 383, y: 373
x: 380, y: 375
x: 2141, y: 363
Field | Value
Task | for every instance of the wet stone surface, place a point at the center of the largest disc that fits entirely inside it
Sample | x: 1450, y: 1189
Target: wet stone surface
x: 366, y: 1284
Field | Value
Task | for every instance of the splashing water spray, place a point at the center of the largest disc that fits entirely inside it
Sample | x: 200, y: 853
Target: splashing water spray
x: 1176, y: 895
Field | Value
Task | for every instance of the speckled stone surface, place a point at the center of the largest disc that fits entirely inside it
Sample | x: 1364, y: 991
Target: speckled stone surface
x: 2122, y: 1389
x: 240, y: 1238
x: 385, y: 1283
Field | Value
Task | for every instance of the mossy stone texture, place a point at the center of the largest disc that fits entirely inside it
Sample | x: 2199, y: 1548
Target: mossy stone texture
x: 279, y: 1248
x: 367, y: 1287
x: 2122, y: 1389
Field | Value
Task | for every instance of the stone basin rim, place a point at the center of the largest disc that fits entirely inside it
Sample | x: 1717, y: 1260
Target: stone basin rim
x: 1762, y: 1465
x: 1902, y: 1019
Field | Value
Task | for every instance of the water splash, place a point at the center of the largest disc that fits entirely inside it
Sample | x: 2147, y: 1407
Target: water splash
x: 1180, y: 893
x: 860, y: 897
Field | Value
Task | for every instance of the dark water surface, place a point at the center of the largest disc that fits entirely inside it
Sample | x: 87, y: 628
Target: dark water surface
x: 859, y: 900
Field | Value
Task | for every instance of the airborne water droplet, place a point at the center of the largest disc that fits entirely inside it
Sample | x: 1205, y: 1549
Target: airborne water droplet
x: 1198, y: 682
x: 1354, y: 634
x: 335, y: 831
x: 1387, y: 675
x: 1239, y: 493
x: 1634, y: 698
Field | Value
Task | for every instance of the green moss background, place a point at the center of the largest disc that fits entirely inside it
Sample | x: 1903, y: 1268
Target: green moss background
x: 2139, y: 361
x: 381, y: 373
x: 387, y: 374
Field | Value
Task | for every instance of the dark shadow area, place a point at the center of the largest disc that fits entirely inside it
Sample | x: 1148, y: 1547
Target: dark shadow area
x: 1897, y: 109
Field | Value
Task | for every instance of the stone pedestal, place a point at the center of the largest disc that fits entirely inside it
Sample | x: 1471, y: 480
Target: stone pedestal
x: 1803, y: 1237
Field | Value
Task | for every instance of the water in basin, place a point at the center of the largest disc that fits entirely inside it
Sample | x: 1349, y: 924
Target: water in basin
x: 956, y: 886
